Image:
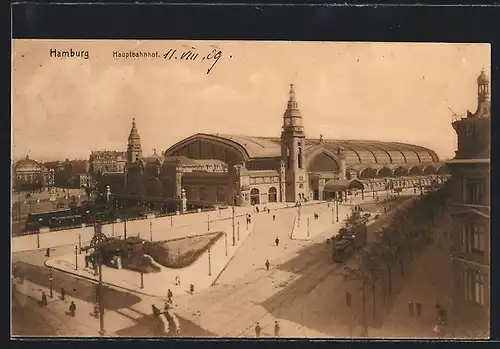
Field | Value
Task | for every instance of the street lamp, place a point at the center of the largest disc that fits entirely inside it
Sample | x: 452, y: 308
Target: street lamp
x: 238, y: 231
x: 76, y: 257
x: 307, y: 226
x: 337, y: 209
x: 80, y: 243
x: 51, y: 295
x: 225, y: 241
x: 209, y: 264
x: 38, y: 237
x: 151, y: 231
x: 234, y: 236
x: 208, y: 223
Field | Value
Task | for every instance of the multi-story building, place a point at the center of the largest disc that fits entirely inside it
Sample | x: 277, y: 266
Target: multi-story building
x: 257, y: 170
x: 102, y: 161
x: 470, y: 213
x: 29, y: 174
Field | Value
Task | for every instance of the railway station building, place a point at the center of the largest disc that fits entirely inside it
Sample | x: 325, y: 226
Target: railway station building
x: 247, y: 170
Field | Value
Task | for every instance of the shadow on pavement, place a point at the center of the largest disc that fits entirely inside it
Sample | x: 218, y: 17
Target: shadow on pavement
x: 313, y: 265
x: 147, y: 326
x: 75, y: 287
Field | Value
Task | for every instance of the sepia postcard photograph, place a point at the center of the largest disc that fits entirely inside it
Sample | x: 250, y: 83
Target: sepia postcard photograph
x: 250, y: 189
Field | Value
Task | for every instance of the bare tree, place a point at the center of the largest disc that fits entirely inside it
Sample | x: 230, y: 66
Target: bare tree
x: 367, y: 273
x: 386, y: 254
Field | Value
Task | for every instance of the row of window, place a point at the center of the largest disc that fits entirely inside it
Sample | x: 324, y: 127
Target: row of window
x: 475, y: 191
x: 474, y: 287
x: 474, y: 238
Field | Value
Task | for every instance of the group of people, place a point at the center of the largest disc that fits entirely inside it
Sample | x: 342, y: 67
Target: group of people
x: 258, y: 329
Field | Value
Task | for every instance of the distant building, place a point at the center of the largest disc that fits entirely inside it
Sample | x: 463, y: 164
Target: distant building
x: 220, y: 168
x: 102, y: 161
x: 471, y: 215
x: 29, y: 174
x: 66, y: 173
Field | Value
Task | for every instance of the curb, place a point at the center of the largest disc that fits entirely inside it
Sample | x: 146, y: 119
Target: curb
x: 230, y: 259
x: 96, y: 281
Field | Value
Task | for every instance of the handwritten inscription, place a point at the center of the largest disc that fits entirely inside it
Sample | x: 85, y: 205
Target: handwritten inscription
x: 211, y: 55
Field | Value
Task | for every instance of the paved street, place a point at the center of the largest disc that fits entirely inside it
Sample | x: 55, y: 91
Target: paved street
x: 304, y: 290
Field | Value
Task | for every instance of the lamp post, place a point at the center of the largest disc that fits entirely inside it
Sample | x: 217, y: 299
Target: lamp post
x: 76, y: 257
x: 307, y: 226
x: 102, y: 331
x: 208, y: 223
x: 125, y: 236
x: 142, y: 279
x: 51, y: 295
x: 151, y: 231
x: 238, y: 231
x: 209, y: 264
x: 38, y: 238
x: 225, y: 241
x: 337, y: 209
x: 80, y: 243
x: 234, y: 236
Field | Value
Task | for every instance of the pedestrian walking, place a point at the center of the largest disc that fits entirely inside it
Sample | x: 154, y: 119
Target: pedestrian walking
x: 410, y: 308
x: 257, y: 330
x: 177, y: 281
x: 274, y: 218
x: 268, y: 264
x: 47, y: 252
x: 44, y: 299
x: 419, y: 308
x: 72, y: 309
x: 277, y: 241
x: 63, y: 293
x: 191, y: 288
x: 169, y: 296
x: 268, y: 211
x: 276, y: 329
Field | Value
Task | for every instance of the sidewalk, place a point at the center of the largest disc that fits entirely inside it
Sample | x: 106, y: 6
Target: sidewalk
x: 430, y: 281
x: 84, y: 324
x: 201, y: 274
x: 307, y: 228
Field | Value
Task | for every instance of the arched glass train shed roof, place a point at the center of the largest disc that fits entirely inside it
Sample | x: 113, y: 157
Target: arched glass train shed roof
x: 357, y: 152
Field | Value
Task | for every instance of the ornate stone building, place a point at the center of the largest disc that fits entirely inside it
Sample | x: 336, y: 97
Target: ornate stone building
x: 470, y: 207
x: 295, y: 168
x: 256, y: 170
x: 29, y: 174
x: 101, y: 161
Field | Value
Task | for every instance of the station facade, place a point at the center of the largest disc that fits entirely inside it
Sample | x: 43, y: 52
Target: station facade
x: 245, y: 170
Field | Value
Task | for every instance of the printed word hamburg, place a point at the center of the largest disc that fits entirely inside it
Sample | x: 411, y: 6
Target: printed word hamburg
x: 136, y: 54
x: 55, y: 53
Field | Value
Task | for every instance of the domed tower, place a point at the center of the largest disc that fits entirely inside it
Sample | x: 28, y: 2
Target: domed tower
x: 293, y: 150
x: 483, y: 95
x: 134, y: 149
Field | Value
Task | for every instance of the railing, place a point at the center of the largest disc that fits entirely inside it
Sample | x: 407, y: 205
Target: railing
x: 33, y: 232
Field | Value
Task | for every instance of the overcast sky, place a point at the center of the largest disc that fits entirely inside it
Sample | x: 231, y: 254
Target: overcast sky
x: 64, y: 108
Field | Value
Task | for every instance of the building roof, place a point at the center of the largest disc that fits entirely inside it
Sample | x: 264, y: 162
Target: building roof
x: 181, y: 160
x: 356, y: 152
x: 27, y: 164
x: 334, y: 184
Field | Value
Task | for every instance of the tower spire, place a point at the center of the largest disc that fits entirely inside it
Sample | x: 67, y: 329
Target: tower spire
x: 134, y: 149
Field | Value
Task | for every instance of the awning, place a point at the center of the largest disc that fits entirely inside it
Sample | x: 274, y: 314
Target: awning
x: 339, y: 185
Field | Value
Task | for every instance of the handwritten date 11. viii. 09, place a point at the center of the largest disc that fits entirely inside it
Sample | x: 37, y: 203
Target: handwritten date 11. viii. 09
x: 192, y: 55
